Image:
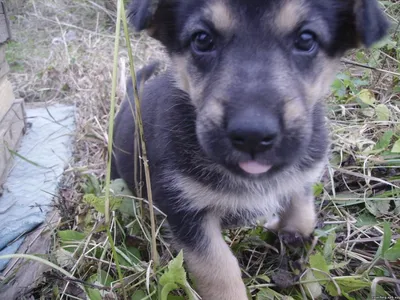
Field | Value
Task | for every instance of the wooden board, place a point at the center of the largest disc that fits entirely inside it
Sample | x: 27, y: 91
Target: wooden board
x: 2, y: 53
x: 12, y: 127
x: 4, y: 69
x: 6, y: 96
x: 21, y: 275
x: 5, y: 32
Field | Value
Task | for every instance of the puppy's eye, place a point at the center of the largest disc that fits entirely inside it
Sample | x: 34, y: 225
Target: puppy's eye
x: 306, y: 41
x: 202, y: 42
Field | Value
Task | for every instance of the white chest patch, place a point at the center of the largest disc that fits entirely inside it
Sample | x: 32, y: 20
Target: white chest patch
x: 263, y: 197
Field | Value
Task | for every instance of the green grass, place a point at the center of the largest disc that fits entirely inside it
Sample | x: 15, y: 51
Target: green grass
x: 14, y: 56
x: 356, y: 250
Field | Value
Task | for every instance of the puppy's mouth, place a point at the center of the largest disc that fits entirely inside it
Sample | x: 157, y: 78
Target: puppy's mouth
x: 254, y: 168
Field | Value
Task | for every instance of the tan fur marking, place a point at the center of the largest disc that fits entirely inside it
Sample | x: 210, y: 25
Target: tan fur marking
x: 221, y: 16
x: 301, y: 216
x: 267, y: 198
x: 181, y: 74
x: 213, y: 111
x: 216, y: 270
x: 196, y: 92
x: 289, y: 16
x: 185, y: 80
x: 319, y: 87
x: 294, y: 111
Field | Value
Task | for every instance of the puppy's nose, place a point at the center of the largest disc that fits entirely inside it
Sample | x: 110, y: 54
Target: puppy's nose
x: 254, y: 133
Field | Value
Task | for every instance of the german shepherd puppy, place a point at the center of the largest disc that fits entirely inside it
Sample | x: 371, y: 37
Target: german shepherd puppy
x: 235, y: 128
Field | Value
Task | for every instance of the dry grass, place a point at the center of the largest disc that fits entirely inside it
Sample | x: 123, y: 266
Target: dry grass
x: 62, y: 52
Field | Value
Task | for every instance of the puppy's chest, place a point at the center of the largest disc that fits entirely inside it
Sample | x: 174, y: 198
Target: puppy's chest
x: 247, y: 209
x: 232, y: 206
x: 242, y: 218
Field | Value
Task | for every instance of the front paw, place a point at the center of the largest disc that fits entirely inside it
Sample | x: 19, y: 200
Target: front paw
x: 283, y: 279
x: 294, y: 238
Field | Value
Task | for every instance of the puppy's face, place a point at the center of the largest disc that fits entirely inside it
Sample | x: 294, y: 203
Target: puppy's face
x: 254, y: 70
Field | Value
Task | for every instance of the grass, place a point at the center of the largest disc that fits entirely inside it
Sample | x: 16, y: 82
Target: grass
x: 62, y: 52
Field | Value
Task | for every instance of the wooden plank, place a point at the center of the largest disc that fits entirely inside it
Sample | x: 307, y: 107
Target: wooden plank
x: 5, y: 33
x: 4, y: 69
x: 12, y: 127
x: 2, y: 53
x: 6, y: 96
x: 21, y: 275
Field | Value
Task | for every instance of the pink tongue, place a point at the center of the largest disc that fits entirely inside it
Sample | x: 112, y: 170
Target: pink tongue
x: 253, y: 167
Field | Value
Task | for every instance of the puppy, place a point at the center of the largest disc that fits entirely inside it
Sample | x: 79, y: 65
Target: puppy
x: 235, y: 129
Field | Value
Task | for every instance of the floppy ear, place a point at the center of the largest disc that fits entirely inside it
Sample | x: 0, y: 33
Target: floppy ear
x: 141, y: 12
x: 154, y: 16
x: 371, y: 22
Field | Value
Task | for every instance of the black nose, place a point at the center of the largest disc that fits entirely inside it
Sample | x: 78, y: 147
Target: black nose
x: 253, y: 132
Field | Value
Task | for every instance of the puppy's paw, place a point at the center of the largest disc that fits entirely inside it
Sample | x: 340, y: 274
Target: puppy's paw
x: 294, y: 238
x: 272, y: 223
x: 283, y: 279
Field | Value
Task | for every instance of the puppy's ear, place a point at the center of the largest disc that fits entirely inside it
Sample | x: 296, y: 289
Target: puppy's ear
x: 141, y: 12
x: 154, y: 16
x: 371, y: 22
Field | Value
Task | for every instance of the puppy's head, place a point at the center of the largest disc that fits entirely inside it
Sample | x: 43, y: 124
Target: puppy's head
x: 255, y: 69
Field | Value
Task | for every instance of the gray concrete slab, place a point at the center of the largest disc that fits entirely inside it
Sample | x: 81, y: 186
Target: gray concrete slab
x: 44, y: 152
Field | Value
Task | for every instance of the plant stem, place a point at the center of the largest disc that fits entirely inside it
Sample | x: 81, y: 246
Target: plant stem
x: 139, y: 125
x: 112, y: 110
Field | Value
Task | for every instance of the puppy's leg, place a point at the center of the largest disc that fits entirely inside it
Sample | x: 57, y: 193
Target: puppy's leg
x: 213, y: 265
x: 299, y: 217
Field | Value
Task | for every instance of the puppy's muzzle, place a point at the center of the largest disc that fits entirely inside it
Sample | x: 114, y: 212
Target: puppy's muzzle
x: 253, y: 132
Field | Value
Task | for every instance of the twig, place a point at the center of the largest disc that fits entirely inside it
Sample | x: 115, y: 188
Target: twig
x: 73, y: 26
x: 367, y: 240
x: 365, y: 177
x: 350, y: 62
x: 397, y: 286
x: 75, y: 280
x: 112, y: 264
x: 380, y: 279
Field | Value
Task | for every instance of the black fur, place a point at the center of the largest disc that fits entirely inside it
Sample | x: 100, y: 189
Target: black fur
x: 350, y: 21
